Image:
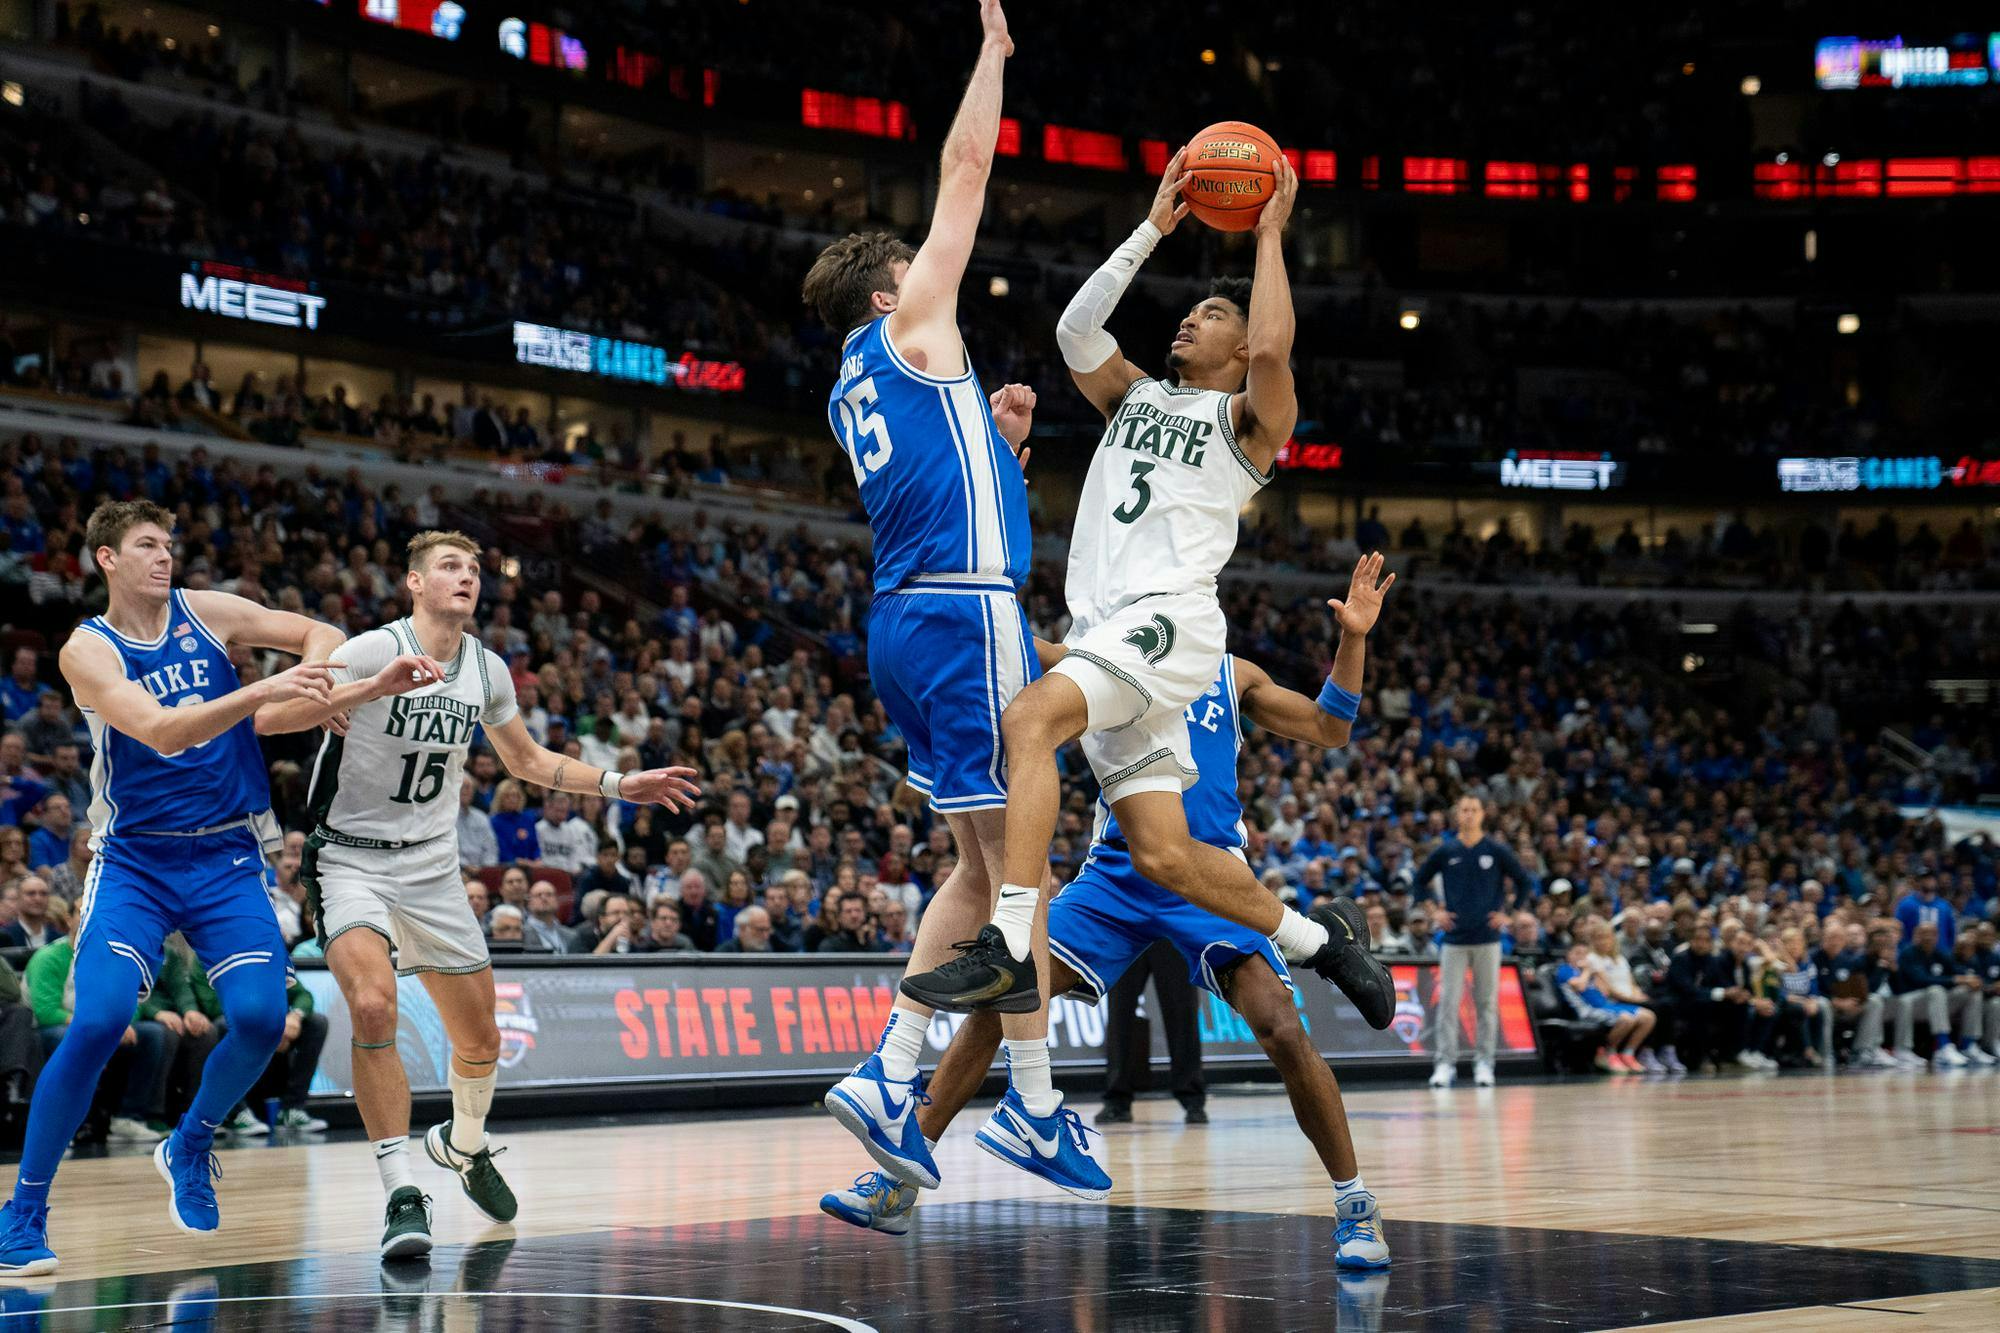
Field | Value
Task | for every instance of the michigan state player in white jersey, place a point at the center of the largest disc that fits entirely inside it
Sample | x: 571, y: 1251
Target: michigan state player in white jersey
x: 1156, y: 524
x: 948, y: 642
x: 381, y: 865
x: 1108, y: 915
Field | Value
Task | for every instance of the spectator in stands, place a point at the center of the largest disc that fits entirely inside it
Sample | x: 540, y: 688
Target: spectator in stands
x: 852, y: 931
x: 66, y: 878
x: 506, y: 925
x: 700, y: 921
x: 478, y: 899
x: 566, y: 840
x: 21, y: 690
x: 1583, y: 986
x: 892, y: 929
x: 607, y: 874
x: 1985, y: 964
x: 752, y: 933
x: 21, y: 788
x: 33, y: 925
x: 66, y: 774
x: 1523, y: 940
x: 663, y: 934
x: 615, y: 929
x: 1801, y: 1007
x: 49, y: 847
x: 543, y: 925
x: 1474, y: 870
x: 1929, y: 985
x: 477, y: 845
x: 1842, y: 963
x: 1919, y: 905
x: 288, y: 893
x: 47, y: 727
x: 713, y: 860
x: 1615, y: 980
x: 1382, y: 938
x: 514, y: 824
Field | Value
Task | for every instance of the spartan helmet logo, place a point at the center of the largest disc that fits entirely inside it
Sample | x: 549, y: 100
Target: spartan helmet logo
x: 1155, y: 640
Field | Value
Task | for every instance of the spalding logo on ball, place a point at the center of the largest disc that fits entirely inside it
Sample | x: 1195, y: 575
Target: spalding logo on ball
x: 1232, y: 169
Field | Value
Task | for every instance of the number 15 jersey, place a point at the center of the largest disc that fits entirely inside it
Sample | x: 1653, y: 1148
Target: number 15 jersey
x: 1159, y: 508
x: 394, y: 778
x: 942, y: 490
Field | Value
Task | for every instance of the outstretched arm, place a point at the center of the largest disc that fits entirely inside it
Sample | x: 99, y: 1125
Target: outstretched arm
x: 1321, y: 721
x: 516, y: 749
x: 1268, y: 407
x: 925, y: 320
x: 98, y: 682
x: 1091, y: 353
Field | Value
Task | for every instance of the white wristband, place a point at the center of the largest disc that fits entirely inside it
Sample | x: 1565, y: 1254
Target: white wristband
x: 608, y: 784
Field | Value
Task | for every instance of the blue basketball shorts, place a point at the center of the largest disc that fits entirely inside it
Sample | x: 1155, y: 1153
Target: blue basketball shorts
x: 946, y: 655
x: 1109, y: 915
x: 142, y: 887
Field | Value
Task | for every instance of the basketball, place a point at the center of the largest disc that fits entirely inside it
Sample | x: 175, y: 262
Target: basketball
x: 1232, y: 167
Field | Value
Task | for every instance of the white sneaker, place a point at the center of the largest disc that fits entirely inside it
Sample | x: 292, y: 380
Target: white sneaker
x: 1482, y: 1074
x: 1746, y: 1060
x: 1947, y: 1057
x: 127, y: 1130
x: 1910, y: 1060
x: 300, y: 1121
x: 245, y: 1122
x: 1357, y: 1234
x: 1876, y: 1059
x: 1443, y: 1076
x: 1979, y: 1057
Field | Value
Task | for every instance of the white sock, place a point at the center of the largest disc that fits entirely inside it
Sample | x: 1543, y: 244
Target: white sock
x: 1016, y: 917
x: 1298, y: 938
x: 1028, y: 1069
x: 392, y: 1159
x: 930, y: 1143
x: 902, y: 1042
x: 471, y: 1099
x: 1346, y: 1189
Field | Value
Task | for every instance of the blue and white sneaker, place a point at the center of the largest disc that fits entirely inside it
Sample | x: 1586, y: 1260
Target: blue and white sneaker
x: 24, y: 1240
x: 190, y: 1177
x: 875, y: 1202
x: 1059, y: 1148
x: 1357, y: 1234
x: 882, y: 1113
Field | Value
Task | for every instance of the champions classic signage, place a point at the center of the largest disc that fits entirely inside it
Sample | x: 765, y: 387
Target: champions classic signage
x: 565, y: 1023
x: 260, y: 298
x: 617, y: 359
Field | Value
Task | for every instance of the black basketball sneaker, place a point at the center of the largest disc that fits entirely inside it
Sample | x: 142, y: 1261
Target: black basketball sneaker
x: 983, y: 976
x: 1346, y: 962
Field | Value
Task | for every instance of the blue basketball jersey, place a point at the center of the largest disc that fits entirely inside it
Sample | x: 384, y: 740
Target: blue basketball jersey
x: 136, y: 789
x: 942, y: 490
x: 1215, y: 734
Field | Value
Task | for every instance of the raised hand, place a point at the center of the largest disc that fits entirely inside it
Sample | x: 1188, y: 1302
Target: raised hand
x: 993, y: 20
x: 1284, y: 192
x: 1014, y: 416
x: 307, y: 680
x: 1358, y: 613
x: 1169, y: 207
x: 411, y: 671
x: 672, y: 787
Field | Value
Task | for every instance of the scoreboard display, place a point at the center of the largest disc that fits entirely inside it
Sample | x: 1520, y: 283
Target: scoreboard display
x: 1965, y: 60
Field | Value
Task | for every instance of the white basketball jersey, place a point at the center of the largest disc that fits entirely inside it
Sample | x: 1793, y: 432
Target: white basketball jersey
x: 1160, y: 506
x: 394, y: 777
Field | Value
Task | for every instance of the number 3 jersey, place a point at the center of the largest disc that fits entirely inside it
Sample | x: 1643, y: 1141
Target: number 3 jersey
x: 942, y: 490
x: 1160, y: 506
x: 394, y: 778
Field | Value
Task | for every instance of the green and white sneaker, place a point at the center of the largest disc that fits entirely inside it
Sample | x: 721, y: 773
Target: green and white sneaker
x: 245, y: 1121
x: 483, y: 1185
x: 407, y: 1233
x: 299, y: 1121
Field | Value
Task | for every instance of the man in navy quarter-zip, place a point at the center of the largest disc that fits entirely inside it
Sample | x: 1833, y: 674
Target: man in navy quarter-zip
x: 1475, y: 870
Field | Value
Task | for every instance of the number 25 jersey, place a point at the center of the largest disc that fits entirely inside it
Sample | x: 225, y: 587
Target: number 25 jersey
x: 394, y: 778
x: 942, y: 490
x: 1159, y: 508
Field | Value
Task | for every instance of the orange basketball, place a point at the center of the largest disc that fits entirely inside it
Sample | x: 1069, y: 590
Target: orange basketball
x: 1232, y: 168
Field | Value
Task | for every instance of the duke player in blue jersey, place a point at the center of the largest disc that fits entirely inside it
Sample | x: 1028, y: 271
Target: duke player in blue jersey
x: 1110, y: 914
x: 178, y: 798
x: 948, y: 643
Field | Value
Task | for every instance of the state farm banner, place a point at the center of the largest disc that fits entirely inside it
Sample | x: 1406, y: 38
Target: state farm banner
x: 681, y: 1019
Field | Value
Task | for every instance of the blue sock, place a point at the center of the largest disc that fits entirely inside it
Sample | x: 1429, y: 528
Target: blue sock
x: 253, y: 1005
x: 107, y: 988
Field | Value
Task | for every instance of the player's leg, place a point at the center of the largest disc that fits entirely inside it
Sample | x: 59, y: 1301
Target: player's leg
x: 358, y: 956
x: 110, y: 972
x: 1332, y: 941
x: 465, y: 1002
x: 1486, y: 1010
x: 1256, y: 992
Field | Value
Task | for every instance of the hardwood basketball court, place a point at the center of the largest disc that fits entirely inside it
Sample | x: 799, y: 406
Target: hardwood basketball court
x: 1799, y: 1202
